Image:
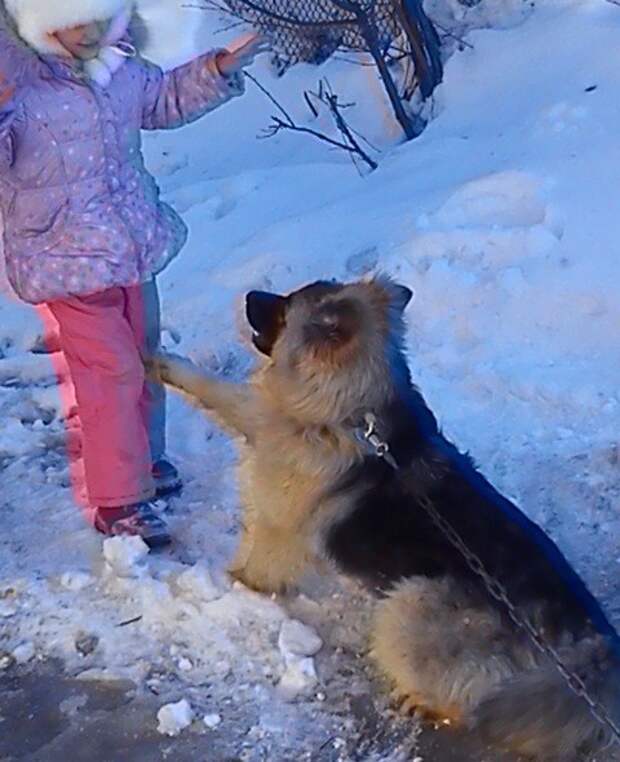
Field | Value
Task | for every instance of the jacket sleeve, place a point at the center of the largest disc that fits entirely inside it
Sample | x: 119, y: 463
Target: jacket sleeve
x: 183, y: 95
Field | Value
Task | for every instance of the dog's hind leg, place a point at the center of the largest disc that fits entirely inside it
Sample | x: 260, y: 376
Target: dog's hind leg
x: 232, y: 403
x: 441, y: 651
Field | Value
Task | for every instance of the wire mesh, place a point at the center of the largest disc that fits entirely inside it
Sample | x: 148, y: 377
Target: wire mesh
x: 313, y: 30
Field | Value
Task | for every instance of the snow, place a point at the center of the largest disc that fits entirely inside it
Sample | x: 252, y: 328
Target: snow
x: 503, y: 219
x: 173, y: 718
x: 125, y: 556
x: 297, y: 639
x: 299, y: 676
x: 23, y: 653
x: 197, y: 581
x: 76, y: 580
x: 298, y: 643
x: 212, y: 720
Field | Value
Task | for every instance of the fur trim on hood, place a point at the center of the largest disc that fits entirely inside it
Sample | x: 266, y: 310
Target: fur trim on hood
x: 36, y: 19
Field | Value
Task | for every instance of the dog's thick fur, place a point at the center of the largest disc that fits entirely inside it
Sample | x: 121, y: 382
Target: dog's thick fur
x: 313, y: 493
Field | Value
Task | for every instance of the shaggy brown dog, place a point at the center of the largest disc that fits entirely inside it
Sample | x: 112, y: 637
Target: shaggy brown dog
x: 313, y: 492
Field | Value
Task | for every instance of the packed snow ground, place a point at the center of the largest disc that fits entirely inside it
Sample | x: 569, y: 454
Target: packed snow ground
x: 503, y: 219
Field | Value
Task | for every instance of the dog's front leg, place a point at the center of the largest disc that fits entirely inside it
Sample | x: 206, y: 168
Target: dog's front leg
x: 232, y: 403
x: 270, y: 559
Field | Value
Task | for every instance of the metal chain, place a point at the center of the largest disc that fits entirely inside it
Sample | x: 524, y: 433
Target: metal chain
x: 496, y: 590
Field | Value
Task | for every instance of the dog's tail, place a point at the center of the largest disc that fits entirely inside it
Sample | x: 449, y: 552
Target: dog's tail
x: 536, y: 713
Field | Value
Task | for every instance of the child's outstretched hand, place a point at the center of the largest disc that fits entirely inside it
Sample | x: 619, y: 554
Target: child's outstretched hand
x: 241, y: 53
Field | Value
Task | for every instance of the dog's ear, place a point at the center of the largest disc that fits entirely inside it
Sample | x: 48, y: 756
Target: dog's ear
x: 265, y: 313
x: 401, y: 296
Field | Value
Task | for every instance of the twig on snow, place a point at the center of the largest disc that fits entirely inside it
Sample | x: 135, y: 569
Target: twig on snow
x: 329, y: 99
x: 130, y: 621
x: 461, y: 40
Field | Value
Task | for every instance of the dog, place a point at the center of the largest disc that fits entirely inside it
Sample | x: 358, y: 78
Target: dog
x: 341, y: 460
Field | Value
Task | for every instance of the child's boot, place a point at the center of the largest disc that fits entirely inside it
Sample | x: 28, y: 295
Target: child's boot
x: 166, y: 477
x: 138, y: 519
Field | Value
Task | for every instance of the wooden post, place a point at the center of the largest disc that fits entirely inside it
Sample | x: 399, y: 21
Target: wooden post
x: 424, y: 43
x: 370, y: 36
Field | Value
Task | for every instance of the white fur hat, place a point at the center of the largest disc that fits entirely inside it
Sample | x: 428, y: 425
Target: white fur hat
x: 35, y: 19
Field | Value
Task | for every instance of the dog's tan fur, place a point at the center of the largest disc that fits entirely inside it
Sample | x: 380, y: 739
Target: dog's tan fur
x: 443, y: 651
x: 294, y: 418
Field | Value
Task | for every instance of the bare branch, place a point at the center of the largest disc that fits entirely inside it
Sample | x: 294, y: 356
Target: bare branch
x: 328, y: 98
x: 387, y: 31
x: 465, y: 44
x: 270, y: 96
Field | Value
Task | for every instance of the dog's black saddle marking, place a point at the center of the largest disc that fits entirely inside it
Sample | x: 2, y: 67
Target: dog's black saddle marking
x: 387, y: 537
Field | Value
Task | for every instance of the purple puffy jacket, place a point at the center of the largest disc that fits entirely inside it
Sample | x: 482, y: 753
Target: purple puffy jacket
x: 80, y: 211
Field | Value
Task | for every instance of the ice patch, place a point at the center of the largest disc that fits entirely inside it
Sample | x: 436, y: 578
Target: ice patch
x: 173, y: 718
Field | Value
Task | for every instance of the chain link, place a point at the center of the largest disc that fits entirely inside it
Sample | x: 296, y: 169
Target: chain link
x: 497, y: 591
x: 313, y: 30
x: 495, y: 588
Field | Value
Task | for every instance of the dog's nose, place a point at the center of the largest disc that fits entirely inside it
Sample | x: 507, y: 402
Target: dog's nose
x: 326, y: 319
x: 324, y: 325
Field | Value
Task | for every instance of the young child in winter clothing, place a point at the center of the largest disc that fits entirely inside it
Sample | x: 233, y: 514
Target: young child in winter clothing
x: 84, y: 230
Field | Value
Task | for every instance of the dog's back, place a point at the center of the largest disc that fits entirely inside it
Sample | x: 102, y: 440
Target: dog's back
x: 449, y: 647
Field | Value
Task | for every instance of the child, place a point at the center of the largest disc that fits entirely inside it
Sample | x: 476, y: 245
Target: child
x: 84, y: 230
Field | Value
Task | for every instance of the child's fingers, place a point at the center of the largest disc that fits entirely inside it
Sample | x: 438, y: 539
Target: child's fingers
x: 239, y: 56
x: 250, y: 51
x: 251, y: 46
x: 243, y: 40
x: 244, y: 60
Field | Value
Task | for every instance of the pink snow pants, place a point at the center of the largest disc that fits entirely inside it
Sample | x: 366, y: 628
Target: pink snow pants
x: 122, y: 415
